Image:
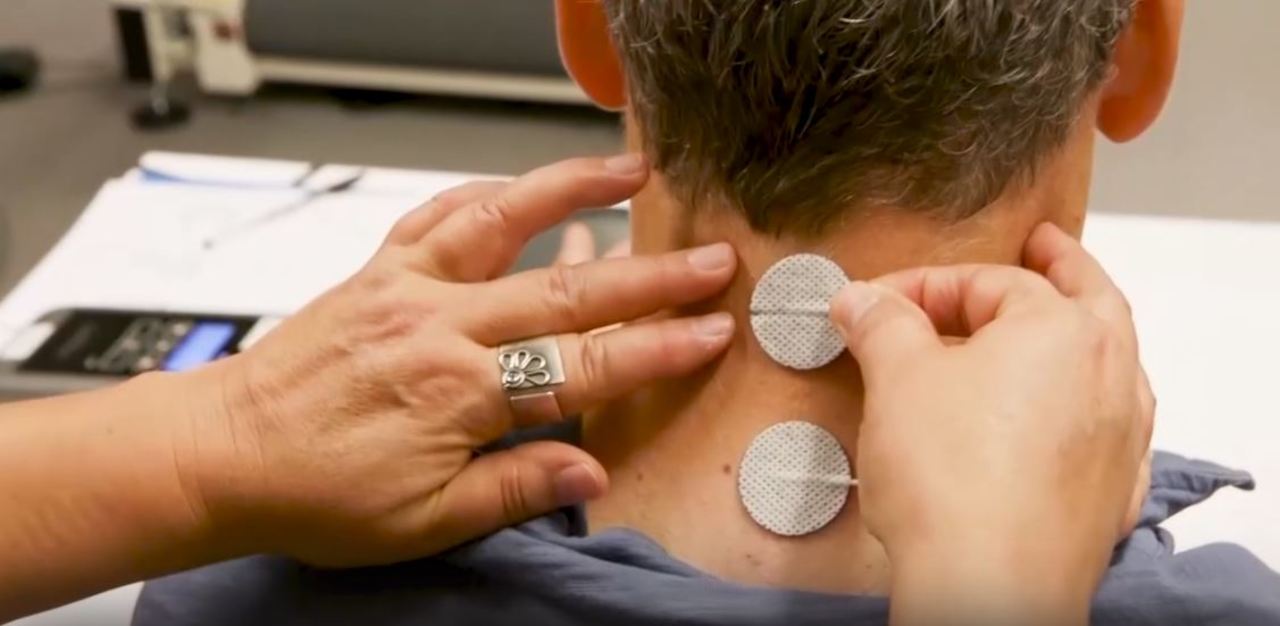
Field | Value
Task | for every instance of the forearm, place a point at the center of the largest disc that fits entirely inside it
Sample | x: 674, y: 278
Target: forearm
x: 92, y: 494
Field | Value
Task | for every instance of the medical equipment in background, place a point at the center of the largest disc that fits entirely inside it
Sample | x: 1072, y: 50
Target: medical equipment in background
x: 77, y: 349
x: 501, y: 49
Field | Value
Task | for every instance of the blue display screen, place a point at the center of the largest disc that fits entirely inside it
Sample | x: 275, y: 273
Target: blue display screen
x: 206, y: 342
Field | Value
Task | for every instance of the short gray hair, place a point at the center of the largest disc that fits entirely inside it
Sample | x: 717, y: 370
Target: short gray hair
x: 797, y: 111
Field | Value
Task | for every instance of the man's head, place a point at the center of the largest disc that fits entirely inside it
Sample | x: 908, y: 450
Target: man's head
x: 801, y: 113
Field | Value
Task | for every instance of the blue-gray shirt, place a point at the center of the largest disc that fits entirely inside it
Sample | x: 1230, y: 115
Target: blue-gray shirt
x: 549, y: 571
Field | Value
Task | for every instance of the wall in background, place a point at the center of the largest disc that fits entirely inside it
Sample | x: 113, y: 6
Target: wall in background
x: 1216, y: 151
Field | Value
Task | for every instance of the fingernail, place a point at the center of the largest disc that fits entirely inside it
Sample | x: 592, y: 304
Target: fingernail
x: 856, y: 299
x: 714, y: 326
x: 576, y: 484
x: 630, y: 163
x: 713, y: 257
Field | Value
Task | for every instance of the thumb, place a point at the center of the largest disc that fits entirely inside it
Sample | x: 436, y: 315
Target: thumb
x: 505, y: 488
x: 881, y: 327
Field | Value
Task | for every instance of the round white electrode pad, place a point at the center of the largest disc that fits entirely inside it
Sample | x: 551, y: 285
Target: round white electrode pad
x: 794, y: 478
x: 789, y: 311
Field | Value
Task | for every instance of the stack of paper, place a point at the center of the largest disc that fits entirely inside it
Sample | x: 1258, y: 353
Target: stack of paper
x: 143, y: 243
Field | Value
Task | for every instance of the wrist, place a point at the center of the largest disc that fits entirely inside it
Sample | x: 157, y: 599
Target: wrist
x: 992, y: 577
x: 208, y: 466
x: 96, y: 492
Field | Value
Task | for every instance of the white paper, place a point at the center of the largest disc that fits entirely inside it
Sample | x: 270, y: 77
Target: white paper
x: 142, y: 246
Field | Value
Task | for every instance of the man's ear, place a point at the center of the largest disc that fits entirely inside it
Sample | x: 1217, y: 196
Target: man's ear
x: 1144, y: 62
x: 588, y: 53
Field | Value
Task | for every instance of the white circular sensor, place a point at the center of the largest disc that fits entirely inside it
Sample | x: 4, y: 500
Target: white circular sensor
x: 794, y: 478
x: 789, y: 310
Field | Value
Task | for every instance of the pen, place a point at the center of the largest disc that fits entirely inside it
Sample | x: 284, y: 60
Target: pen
x: 270, y: 216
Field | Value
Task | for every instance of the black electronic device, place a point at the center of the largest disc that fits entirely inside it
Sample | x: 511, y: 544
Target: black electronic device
x: 74, y: 349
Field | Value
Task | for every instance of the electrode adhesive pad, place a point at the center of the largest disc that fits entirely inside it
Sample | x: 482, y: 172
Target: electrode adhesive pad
x: 789, y: 311
x: 794, y: 478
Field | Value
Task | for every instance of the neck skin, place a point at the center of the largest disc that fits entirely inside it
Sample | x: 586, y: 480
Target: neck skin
x: 672, y: 450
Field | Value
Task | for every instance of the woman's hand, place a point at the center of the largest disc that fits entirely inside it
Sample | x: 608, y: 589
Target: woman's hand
x: 998, y: 470
x: 347, y: 436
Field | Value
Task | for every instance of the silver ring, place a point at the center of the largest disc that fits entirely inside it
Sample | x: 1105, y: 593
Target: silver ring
x: 530, y: 372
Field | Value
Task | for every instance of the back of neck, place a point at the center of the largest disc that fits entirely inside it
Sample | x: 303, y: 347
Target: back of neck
x: 673, y: 450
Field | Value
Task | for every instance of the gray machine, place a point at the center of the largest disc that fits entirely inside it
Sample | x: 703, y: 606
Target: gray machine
x: 481, y: 48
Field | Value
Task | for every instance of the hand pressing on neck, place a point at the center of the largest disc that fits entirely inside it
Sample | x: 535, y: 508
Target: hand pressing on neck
x: 998, y: 471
